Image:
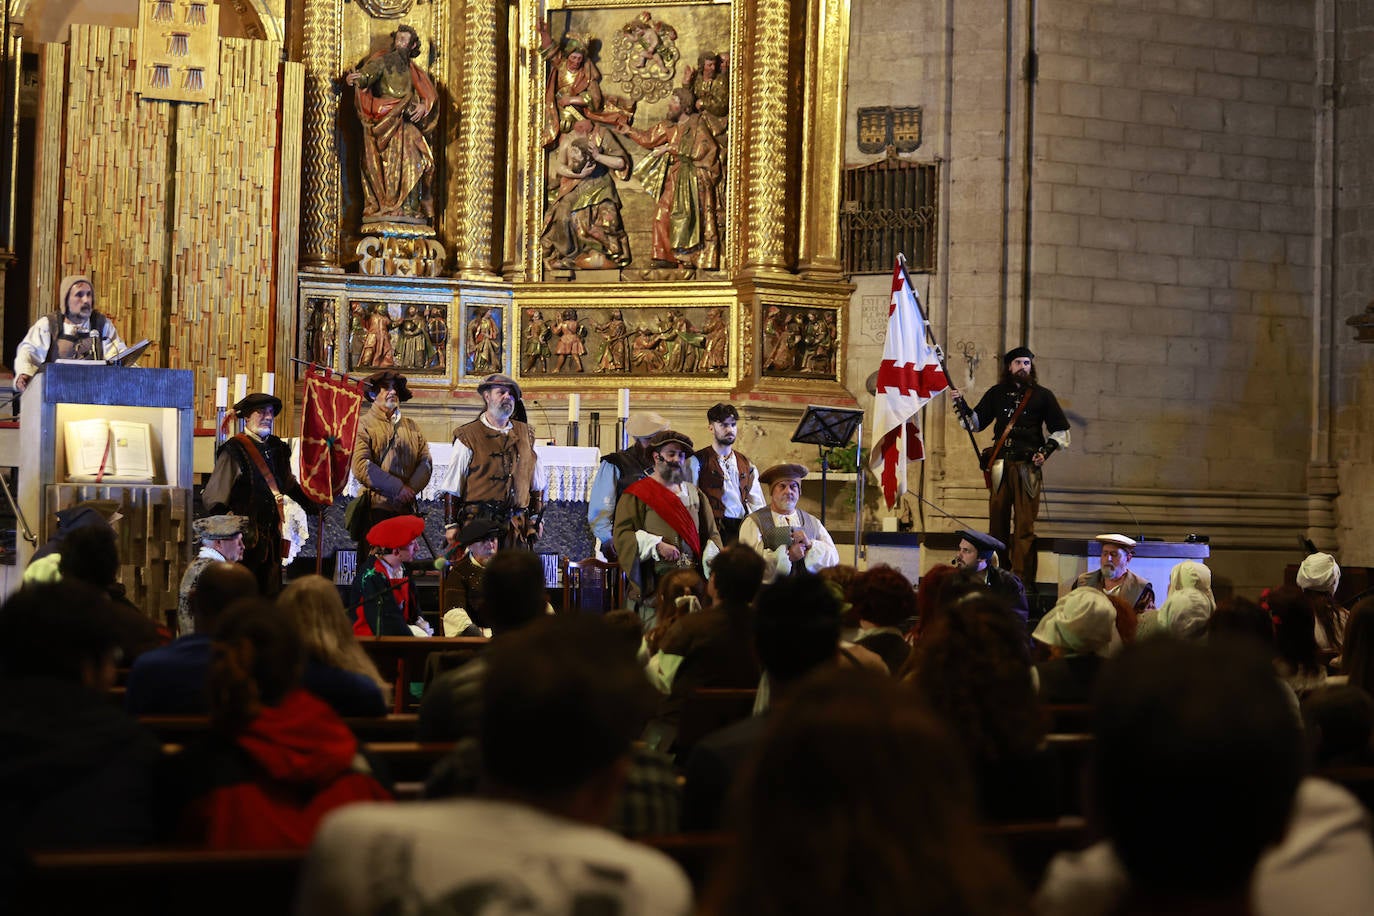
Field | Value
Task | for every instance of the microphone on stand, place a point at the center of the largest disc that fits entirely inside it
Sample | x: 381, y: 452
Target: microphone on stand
x: 97, y: 346
x: 1139, y: 532
x: 543, y: 410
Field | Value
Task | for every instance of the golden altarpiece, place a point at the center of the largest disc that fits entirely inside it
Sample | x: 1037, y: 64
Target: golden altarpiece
x: 588, y: 196
x: 616, y: 195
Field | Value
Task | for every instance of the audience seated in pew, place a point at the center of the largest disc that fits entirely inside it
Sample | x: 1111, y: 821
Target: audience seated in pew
x: 1200, y: 791
x: 1357, y: 656
x: 1297, y: 656
x: 90, y: 554
x: 714, y: 646
x: 78, y: 770
x: 171, y: 679
x: 1339, y: 722
x: 796, y: 629
x: 561, y: 702
x: 885, y: 603
x: 857, y: 801
x: 337, y: 670
x: 1183, y: 615
x: 277, y: 759
x: 1080, y: 632
x: 972, y: 667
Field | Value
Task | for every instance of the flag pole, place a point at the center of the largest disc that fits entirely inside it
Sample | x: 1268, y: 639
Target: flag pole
x: 939, y: 352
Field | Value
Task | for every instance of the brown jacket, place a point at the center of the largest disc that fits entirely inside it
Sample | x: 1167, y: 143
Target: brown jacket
x: 405, y: 463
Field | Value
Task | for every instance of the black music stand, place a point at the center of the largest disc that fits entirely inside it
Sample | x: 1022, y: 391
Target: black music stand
x: 827, y: 428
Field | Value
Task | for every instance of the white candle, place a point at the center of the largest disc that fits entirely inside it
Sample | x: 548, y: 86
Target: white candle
x: 574, y: 407
x: 269, y: 382
x: 222, y: 391
x: 623, y: 407
x: 240, y: 387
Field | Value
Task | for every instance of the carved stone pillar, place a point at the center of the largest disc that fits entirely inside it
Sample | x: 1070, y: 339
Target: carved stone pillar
x: 768, y: 211
x: 477, y: 140
x: 320, y: 209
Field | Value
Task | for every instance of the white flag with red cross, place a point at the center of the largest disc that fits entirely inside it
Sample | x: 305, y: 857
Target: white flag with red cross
x: 910, y: 375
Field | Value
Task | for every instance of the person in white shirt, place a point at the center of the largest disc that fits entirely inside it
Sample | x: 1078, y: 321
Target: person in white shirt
x: 725, y: 476
x: 533, y: 841
x: 789, y: 539
x: 494, y: 472
x: 66, y: 333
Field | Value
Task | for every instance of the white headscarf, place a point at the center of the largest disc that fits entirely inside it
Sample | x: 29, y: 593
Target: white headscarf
x: 1083, y: 622
x: 1183, y: 615
x: 1192, y: 574
x: 1320, y: 573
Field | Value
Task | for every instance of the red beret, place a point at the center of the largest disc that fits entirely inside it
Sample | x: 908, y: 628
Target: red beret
x: 397, y: 532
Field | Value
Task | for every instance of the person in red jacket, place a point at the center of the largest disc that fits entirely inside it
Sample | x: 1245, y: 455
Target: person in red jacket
x: 277, y: 759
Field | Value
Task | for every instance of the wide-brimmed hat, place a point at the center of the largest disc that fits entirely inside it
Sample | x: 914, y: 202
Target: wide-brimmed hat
x: 257, y: 401
x: 499, y: 378
x: 985, y: 543
x: 372, y: 385
x: 661, y: 439
x: 782, y: 472
x: 395, y: 533
x: 218, y: 527
x: 479, y: 529
x: 644, y: 423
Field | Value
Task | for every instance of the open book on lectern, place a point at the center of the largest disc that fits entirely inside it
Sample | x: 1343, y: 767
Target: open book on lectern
x: 117, y: 451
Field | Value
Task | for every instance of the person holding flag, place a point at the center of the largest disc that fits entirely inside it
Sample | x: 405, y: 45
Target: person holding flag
x: 912, y: 372
x: 1021, y: 412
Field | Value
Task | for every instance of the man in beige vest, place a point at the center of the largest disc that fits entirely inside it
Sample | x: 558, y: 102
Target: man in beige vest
x: 390, y: 455
x: 725, y: 476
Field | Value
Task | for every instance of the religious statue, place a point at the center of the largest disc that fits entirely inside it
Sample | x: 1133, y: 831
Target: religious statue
x: 484, y: 343
x: 582, y: 226
x: 573, y: 90
x: 710, y: 83
x: 644, y: 57
x: 412, y: 351
x: 615, y: 346
x: 357, y: 332
x: 437, y: 328
x: 537, y: 335
x: 644, y: 355
x: 321, y: 328
x: 396, y: 103
x: 377, y: 348
x: 715, y: 358
x: 681, y: 172
x: 571, y: 336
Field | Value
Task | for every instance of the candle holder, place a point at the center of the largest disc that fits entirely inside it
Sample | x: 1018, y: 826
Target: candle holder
x: 572, y: 433
x: 622, y: 434
x: 594, y: 430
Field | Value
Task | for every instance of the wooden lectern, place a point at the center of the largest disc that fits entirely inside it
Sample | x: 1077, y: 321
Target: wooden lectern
x: 64, y: 463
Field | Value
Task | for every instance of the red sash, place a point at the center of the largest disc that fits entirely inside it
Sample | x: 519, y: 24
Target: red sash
x: 669, y: 508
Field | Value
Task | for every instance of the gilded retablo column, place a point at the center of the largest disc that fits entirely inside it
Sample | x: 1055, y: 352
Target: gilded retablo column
x: 768, y: 139
x: 320, y: 210
x: 477, y: 140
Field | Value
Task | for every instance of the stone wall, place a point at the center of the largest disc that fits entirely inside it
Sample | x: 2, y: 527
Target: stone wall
x: 1171, y: 252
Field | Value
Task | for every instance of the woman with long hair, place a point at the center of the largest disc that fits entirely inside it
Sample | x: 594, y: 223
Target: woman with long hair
x: 973, y: 667
x: 1295, y: 642
x: 337, y: 670
x: 679, y: 593
x: 277, y: 759
x: 857, y: 802
x: 1357, y: 661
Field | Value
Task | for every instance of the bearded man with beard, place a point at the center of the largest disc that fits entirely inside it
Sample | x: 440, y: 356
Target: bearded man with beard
x: 495, y: 473
x: 252, y: 477
x: 789, y: 540
x: 1114, y: 575
x: 397, y: 105
x: 662, y: 522
x: 1039, y: 430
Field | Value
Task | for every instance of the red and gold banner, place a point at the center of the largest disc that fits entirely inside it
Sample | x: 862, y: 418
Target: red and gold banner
x: 329, y: 422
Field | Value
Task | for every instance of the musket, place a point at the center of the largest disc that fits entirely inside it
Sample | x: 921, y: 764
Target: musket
x: 960, y: 406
